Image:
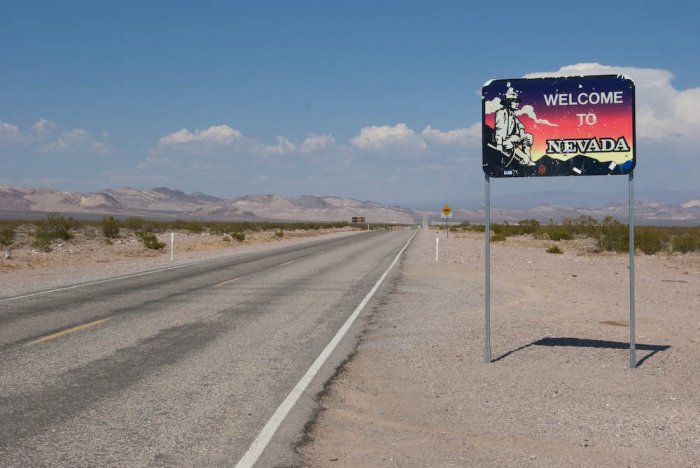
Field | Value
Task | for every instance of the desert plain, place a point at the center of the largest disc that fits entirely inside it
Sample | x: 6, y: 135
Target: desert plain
x: 559, y: 390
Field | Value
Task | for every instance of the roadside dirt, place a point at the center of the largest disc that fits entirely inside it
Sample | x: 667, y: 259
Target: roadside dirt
x: 559, y: 392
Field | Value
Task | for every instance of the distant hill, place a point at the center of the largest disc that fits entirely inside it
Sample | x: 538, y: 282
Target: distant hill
x: 645, y: 212
x: 166, y: 203
x: 652, y: 207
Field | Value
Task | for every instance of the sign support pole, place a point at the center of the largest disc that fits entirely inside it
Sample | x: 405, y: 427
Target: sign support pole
x: 633, y: 347
x: 608, y: 127
x: 487, y: 268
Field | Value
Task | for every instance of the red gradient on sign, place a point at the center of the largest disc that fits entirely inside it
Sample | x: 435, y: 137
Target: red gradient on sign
x: 572, y: 122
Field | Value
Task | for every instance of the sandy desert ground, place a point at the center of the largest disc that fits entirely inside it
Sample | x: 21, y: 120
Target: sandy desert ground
x: 559, y: 391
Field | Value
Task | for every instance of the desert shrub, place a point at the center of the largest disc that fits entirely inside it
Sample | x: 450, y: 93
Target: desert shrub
x: 58, y: 227
x: 226, y: 239
x: 686, y: 242
x: 239, y: 236
x: 42, y: 239
x: 526, y: 226
x: 279, y: 233
x: 555, y: 249
x: 55, y: 227
x: 110, y: 227
x: 7, y: 236
x: 612, y: 241
x: 194, y: 227
x: 529, y: 226
x: 651, y: 240
x: 217, y: 229
x: 611, y: 235
x: 150, y: 241
x: 134, y: 223
x: 585, y: 221
x: 499, y: 229
x: 155, y: 226
x: 559, y: 232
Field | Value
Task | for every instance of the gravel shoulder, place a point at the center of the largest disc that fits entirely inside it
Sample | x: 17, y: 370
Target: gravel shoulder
x: 559, y: 391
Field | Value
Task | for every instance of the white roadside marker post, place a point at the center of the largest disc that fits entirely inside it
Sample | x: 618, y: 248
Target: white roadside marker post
x: 172, y: 246
x: 437, y: 245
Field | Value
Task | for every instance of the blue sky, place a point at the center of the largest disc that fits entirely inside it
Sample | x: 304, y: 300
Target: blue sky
x: 371, y: 100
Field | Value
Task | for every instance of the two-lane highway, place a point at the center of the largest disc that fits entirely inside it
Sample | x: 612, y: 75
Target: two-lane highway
x: 183, y: 366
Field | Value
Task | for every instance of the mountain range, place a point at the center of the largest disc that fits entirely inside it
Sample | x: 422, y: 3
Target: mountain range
x: 660, y: 208
x: 165, y: 203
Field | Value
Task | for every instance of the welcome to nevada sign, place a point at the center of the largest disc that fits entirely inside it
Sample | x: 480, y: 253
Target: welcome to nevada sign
x: 569, y: 126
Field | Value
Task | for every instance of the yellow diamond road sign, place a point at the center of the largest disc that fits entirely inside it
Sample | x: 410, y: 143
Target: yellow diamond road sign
x: 446, y: 211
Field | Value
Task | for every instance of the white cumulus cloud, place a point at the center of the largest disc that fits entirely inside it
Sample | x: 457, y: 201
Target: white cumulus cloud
x: 663, y: 112
x: 43, y: 127
x: 218, y: 142
x: 386, y: 137
x: 77, y: 139
x: 401, y: 139
x: 314, y: 143
x: 48, y: 137
x: 458, y: 137
x: 217, y: 135
x: 283, y: 146
x: 10, y: 133
x: 221, y: 137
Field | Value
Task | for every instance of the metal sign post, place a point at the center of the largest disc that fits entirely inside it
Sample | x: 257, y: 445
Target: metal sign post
x: 633, y: 347
x: 566, y: 126
x: 487, y: 266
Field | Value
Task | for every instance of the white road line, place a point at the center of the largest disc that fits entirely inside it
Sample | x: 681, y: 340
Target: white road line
x: 260, y: 443
x: 225, y: 282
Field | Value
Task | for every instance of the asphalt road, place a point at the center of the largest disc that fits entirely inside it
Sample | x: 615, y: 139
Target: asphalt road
x: 184, y: 366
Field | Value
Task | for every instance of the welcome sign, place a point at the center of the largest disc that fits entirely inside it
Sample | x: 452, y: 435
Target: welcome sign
x: 581, y: 125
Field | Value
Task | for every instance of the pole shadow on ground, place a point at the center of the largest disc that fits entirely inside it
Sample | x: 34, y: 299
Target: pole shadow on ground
x: 588, y: 343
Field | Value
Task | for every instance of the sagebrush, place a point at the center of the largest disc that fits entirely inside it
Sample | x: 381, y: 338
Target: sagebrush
x: 609, y: 234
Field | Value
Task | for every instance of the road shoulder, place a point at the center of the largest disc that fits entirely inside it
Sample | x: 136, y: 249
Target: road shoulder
x: 560, y: 392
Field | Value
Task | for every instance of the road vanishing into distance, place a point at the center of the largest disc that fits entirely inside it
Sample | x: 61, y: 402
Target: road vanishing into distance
x: 183, y: 366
